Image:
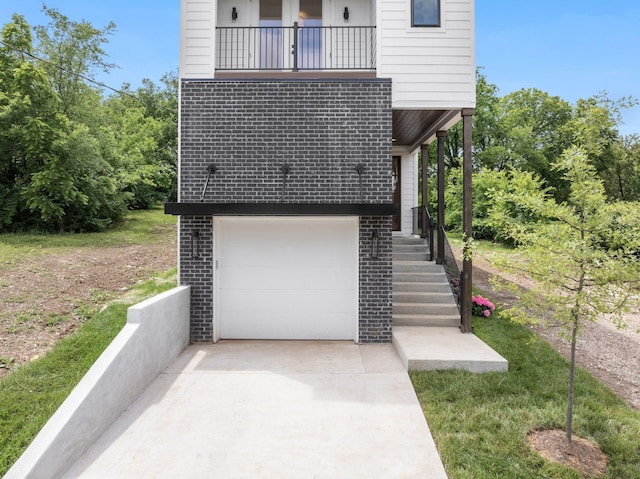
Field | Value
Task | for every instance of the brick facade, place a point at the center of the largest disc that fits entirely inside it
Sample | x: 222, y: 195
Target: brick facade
x: 318, y: 130
x: 375, y: 281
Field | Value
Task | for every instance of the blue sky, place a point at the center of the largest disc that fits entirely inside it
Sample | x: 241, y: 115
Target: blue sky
x: 569, y: 48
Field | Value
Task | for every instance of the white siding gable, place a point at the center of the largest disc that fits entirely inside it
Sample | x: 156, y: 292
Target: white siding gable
x: 431, y: 67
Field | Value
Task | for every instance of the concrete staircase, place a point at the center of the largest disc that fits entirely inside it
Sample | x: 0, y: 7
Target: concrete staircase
x: 421, y: 292
x: 426, y: 318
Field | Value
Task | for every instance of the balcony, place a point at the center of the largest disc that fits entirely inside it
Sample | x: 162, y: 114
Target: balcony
x: 296, y: 49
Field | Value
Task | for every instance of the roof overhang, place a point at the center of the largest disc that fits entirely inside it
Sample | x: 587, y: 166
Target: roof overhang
x: 412, y: 128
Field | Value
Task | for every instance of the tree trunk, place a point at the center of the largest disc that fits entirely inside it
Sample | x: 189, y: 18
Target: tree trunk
x: 572, y: 365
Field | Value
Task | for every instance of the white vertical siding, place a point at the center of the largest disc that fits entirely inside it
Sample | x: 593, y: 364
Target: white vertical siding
x: 408, y: 190
x: 430, y: 67
x: 197, y: 38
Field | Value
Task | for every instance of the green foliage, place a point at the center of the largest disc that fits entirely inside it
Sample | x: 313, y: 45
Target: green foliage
x: 620, y: 169
x: 584, y: 255
x: 77, y: 47
x: 495, y: 205
x: 71, y: 160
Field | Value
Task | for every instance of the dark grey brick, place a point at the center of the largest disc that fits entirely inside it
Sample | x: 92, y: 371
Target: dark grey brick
x: 322, y: 129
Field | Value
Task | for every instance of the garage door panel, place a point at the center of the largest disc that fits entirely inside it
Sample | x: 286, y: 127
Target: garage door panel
x: 293, y: 231
x: 287, y: 278
x: 289, y: 326
x: 276, y: 254
x: 286, y: 302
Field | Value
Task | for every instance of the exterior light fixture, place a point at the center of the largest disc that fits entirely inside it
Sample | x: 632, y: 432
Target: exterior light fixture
x: 195, y: 244
x: 211, y: 169
x: 345, y: 15
x: 234, y: 14
x: 285, y: 170
x: 375, y: 244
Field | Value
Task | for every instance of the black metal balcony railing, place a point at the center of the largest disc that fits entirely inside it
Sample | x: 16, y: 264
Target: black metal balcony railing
x: 295, y: 48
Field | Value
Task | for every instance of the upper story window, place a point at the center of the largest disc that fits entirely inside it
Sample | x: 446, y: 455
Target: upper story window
x: 425, y: 13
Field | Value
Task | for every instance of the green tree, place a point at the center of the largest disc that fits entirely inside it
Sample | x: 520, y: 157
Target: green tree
x: 485, y: 125
x: 144, y: 132
x: 73, y: 50
x: 30, y: 119
x: 53, y: 176
x: 595, y: 123
x: 579, y: 273
x: 622, y: 178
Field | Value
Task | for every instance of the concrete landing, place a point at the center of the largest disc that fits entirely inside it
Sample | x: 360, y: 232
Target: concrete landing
x: 437, y: 348
x: 271, y: 409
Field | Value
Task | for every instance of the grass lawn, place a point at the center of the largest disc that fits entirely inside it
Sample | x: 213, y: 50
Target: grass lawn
x: 139, y: 227
x: 480, y: 422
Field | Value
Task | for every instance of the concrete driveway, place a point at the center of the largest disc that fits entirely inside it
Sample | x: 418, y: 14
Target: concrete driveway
x: 271, y: 409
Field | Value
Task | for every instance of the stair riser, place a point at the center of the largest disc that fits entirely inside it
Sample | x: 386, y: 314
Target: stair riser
x: 399, y: 277
x: 423, y: 298
x: 410, y: 256
x: 417, y: 267
x: 410, y: 248
x: 409, y: 241
x: 433, y: 322
x: 424, y: 309
x: 421, y: 287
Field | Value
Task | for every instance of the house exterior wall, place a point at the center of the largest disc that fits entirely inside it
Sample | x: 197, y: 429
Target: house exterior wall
x: 431, y: 67
x: 322, y: 130
x: 409, y: 190
x: 197, y: 38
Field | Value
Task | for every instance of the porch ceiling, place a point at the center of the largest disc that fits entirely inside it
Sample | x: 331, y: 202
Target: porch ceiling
x: 411, y: 128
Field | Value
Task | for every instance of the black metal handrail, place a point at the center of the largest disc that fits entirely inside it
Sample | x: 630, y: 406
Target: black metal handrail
x: 428, y: 232
x: 296, y: 48
x: 452, y: 269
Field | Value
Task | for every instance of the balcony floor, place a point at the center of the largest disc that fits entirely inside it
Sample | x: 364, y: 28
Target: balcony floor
x: 287, y: 74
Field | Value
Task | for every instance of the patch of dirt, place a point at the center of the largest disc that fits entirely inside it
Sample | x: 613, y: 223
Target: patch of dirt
x: 43, y: 298
x: 612, y: 355
x: 579, y: 454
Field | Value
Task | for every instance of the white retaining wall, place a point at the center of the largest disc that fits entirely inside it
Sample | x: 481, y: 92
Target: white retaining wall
x: 157, y: 331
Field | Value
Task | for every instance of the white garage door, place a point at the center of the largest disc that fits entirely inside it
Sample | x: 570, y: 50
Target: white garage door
x: 287, y: 277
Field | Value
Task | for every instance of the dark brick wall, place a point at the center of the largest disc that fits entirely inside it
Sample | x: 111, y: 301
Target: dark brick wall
x: 321, y: 130
x: 375, y: 281
x: 198, y: 273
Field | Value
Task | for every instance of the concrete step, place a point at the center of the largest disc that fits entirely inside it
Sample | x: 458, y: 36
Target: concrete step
x: 417, y: 267
x: 405, y: 240
x: 423, y: 257
x: 437, y: 348
x: 431, y: 320
x: 410, y: 248
x: 423, y: 297
x: 425, y: 308
x: 412, y: 277
x: 433, y: 286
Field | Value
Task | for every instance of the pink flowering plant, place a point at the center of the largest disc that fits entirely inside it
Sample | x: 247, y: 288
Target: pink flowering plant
x: 481, y: 306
